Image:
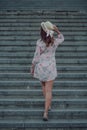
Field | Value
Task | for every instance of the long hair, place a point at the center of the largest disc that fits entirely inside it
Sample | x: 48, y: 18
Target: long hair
x: 47, y: 39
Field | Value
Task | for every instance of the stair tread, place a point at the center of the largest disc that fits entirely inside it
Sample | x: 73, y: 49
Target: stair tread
x: 54, y: 121
x: 33, y: 123
x: 40, y: 100
x: 31, y: 93
x: 36, y: 81
x: 32, y: 11
x: 40, y: 90
x: 27, y: 73
x: 41, y: 110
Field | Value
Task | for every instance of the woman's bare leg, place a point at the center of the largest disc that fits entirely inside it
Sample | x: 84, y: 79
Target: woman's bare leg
x: 48, y: 96
x: 43, y: 88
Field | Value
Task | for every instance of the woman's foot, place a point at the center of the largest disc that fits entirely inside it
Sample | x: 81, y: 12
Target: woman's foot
x: 45, y: 116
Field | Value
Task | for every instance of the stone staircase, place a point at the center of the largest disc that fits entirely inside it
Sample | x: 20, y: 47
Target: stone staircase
x: 65, y: 5
x: 21, y: 100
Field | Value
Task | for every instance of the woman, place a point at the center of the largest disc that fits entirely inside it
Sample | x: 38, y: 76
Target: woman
x: 44, y: 63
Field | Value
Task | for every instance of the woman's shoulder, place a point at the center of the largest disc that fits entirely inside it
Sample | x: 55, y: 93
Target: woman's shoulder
x: 39, y: 43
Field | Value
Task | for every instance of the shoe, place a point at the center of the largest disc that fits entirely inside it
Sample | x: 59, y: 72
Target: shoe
x: 45, y: 117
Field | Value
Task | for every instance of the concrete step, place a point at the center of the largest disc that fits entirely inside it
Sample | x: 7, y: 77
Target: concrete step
x: 29, y: 38
x: 38, y: 28
x: 28, y: 33
x: 37, y: 114
x: 33, y: 44
x: 35, y: 84
x: 43, y: 14
x: 22, y: 24
x: 41, y: 5
x: 57, y: 128
x: 30, y: 123
x: 39, y: 103
x: 31, y: 49
x: 43, y: 17
x: 26, y: 69
x: 30, y: 55
x: 37, y: 13
x: 27, y: 76
x: 27, y: 61
x: 31, y: 93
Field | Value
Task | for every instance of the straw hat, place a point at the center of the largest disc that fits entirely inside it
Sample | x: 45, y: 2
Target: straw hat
x: 48, y: 28
x: 49, y: 25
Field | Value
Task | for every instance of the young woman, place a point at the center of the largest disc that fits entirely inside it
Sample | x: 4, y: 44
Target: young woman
x: 44, y: 63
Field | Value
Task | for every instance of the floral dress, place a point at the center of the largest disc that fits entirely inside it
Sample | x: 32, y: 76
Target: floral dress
x: 44, y: 60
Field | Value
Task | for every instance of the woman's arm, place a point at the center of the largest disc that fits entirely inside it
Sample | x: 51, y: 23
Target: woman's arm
x: 35, y: 59
x: 60, y: 38
x: 56, y: 29
x: 36, y: 55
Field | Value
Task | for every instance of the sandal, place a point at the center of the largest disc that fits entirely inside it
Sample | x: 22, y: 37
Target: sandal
x: 45, y: 116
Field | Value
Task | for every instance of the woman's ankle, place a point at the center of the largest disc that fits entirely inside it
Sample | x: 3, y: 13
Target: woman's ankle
x: 49, y: 108
x: 46, y: 112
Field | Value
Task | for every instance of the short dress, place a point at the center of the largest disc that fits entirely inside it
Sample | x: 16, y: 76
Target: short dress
x: 44, y: 60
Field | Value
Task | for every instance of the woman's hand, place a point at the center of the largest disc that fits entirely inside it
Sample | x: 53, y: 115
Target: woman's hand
x: 32, y: 69
x: 56, y: 29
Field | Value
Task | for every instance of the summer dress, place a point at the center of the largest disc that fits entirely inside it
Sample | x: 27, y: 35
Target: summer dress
x: 44, y: 59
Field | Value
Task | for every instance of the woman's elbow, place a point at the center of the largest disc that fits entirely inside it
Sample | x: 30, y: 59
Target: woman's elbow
x: 61, y: 37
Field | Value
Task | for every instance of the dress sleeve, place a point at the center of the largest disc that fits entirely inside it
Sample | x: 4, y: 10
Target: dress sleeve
x: 36, y: 55
x: 59, y: 40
